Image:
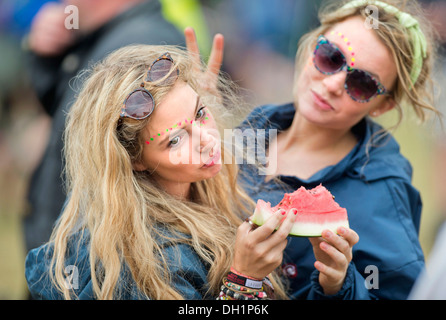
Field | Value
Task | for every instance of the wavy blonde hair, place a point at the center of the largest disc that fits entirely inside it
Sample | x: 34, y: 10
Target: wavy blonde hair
x: 420, y: 95
x: 127, y: 215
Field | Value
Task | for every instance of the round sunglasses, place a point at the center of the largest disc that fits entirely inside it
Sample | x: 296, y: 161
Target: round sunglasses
x: 360, y: 85
x: 140, y: 104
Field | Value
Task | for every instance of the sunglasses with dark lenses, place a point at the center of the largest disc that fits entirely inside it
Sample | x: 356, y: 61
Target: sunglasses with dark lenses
x: 140, y: 104
x: 360, y: 85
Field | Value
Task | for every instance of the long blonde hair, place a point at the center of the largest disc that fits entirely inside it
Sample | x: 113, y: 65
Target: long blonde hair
x: 126, y: 214
x: 420, y: 95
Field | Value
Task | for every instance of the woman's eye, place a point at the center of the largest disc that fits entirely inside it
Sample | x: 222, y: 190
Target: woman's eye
x: 175, y: 141
x: 200, y: 113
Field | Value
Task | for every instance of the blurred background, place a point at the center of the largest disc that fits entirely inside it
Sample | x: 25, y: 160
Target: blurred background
x: 260, y: 44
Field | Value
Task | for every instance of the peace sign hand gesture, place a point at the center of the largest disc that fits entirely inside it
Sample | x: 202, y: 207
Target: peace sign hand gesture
x: 209, y: 77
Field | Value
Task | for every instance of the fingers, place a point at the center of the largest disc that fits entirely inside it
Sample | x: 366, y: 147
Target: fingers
x: 349, y: 235
x: 269, y: 226
x: 285, y: 227
x: 343, y: 243
x: 246, y: 227
x: 340, y: 258
x: 333, y: 275
x: 216, y: 57
x: 337, y: 248
x: 192, y: 44
x: 332, y: 268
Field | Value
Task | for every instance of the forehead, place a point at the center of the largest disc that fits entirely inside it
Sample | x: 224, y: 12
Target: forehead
x: 177, y: 106
x: 369, y: 52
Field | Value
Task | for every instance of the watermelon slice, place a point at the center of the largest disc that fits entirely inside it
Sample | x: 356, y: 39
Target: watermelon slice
x: 316, y: 211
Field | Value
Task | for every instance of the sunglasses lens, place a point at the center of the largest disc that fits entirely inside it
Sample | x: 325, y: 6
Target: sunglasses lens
x: 139, y: 104
x: 328, y: 59
x: 160, y: 69
x: 361, y: 85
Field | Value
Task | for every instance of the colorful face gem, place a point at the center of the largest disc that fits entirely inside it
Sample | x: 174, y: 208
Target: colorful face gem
x: 178, y: 124
x: 349, y: 47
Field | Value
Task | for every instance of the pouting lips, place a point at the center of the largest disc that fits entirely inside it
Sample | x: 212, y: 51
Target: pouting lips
x: 211, y: 161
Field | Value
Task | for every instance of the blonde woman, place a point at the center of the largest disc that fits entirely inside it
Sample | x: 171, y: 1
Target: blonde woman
x: 365, y: 59
x: 152, y: 210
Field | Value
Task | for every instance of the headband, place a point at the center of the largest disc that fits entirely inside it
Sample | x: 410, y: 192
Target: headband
x: 417, y: 37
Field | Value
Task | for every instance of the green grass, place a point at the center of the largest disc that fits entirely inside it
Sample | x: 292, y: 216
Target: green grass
x: 417, y: 144
x: 12, y: 255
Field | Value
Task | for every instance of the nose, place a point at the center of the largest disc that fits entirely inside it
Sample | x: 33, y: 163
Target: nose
x: 207, y: 141
x: 334, y: 83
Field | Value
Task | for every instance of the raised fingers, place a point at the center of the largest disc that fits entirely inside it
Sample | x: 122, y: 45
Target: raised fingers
x: 191, y: 44
x: 216, y: 57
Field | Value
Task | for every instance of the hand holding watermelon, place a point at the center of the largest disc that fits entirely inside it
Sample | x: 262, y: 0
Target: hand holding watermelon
x: 333, y: 253
x: 259, y: 251
x: 325, y: 223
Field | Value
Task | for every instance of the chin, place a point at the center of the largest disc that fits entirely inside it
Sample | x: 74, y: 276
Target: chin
x: 211, y: 172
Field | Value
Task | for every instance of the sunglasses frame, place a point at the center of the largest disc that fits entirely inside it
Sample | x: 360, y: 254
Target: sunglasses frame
x: 381, y: 90
x: 124, y: 114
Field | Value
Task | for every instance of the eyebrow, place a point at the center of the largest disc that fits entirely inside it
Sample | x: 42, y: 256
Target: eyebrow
x: 183, y: 126
x: 343, y: 53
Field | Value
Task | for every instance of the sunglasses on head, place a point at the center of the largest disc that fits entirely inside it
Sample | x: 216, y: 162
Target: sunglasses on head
x: 139, y: 104
x: 360, y: 85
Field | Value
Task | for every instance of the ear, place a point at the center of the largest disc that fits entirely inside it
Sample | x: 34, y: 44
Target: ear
x: 387, y: 105
x: 139, y: 166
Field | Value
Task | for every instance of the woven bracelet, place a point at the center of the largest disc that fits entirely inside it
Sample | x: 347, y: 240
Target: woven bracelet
x: 243, y: 281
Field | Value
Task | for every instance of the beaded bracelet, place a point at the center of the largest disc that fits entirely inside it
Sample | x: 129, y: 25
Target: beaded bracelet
x: 243, y: 290
x: 228, y: 293
x: 237, y: 286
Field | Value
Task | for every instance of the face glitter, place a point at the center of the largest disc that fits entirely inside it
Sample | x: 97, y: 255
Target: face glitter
x: 178, y: 124
x: 349, y: 47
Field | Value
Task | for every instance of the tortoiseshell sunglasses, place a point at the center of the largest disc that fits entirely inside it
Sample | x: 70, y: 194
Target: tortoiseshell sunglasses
x: 140, y: 104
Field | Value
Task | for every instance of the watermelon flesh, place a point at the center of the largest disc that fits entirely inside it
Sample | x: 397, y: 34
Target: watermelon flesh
x: 316, y: 211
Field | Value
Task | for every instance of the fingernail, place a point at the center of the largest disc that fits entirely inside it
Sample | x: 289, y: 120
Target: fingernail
x: 324, y: 245
x: 342, y: 231
x: 282, y: 212
x: 327, y: 234
x: 294, y: 210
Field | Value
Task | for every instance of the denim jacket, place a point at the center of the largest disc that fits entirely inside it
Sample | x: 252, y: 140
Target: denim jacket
x: 374, y: 185
x: 188, y: 272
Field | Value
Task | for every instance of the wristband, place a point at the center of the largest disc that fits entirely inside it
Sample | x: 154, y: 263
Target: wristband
x: 245, y: 281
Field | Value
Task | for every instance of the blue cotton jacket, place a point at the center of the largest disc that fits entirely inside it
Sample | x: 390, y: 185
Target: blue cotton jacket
x: 188, y: 272
x: 382, y: 206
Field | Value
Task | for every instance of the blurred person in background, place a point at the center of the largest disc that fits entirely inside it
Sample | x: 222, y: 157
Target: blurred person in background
x: 58, y: 49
